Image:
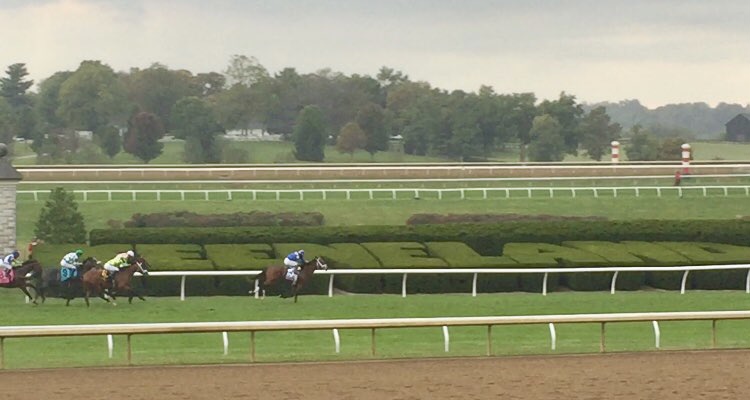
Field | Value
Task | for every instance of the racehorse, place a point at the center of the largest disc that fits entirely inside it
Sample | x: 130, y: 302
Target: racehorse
x: 275, y: 274
x: 52, y: 279
x: 23, y: 282
x: 94, y: 281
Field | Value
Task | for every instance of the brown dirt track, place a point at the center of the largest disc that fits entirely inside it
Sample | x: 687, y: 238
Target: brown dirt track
x: 658, y: 375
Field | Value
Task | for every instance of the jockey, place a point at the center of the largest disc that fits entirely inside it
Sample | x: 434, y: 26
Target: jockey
x: 71, y: 262
x: 293, y: 261
x: 9, y: 261
x: 120, y: 260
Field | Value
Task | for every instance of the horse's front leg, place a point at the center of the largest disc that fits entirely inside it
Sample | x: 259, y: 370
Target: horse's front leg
x: 25, y: 290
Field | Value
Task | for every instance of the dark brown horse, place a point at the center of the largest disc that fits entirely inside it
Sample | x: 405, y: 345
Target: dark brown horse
x: 23, y: 282
x: 96, y: 282
x: 68, y: 288
x: 275, y: 274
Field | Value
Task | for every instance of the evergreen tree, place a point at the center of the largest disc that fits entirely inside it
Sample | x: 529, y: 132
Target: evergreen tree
x: 60, y: 221
x: 310, y: 135
x: 109, y: 140
x: 142, y: 138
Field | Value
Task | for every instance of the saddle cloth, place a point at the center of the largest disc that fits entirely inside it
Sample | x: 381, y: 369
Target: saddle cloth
x: 290, y: 272
x: 7, y: 278
x: 67, y: 273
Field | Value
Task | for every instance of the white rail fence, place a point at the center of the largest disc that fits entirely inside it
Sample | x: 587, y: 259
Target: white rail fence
x: 393, y: 194
x: 475, y: 272
x: 252, y: 327
x: 386, y: 180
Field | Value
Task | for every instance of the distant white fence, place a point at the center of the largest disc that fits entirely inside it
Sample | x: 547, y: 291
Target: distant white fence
x: 372, y: 324
x: 372, y: 170
x: 393, y: 194
x: 475, y: 272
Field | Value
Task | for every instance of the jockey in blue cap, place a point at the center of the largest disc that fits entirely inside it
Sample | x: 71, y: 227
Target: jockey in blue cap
x: 293, y: 261
x: 9, y: 261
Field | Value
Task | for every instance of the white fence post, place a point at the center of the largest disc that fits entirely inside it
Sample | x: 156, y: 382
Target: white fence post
x: 336, y: 341
x: 446, y: 339
x: 182, y: 288
x: 110, y: 346
x: 552, y: 336
x: 403, y: 286
x: 657, y: 333
x: 225, y: 341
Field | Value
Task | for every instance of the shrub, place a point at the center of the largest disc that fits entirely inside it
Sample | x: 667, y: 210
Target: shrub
x: 60, y: 221
x: 253, y: 218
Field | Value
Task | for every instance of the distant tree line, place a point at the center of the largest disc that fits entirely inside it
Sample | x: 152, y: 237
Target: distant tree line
x: 130, y: 111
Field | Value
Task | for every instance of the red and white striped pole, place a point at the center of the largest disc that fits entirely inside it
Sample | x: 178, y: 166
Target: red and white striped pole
x: 615, y: 151
x: 685, y: 158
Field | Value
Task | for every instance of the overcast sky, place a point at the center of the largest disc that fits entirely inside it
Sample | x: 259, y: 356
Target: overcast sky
x: 656, y: 51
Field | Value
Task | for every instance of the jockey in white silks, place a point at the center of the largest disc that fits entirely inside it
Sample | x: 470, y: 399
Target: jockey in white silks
x: 70, y: 262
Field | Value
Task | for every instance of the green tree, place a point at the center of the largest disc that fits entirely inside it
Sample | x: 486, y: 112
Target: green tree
x: 670, y: 149
x: 60, y: 221
x: 109, y: 140
x: 310, y: 135
x: 643, y: 146
x: 568, y: 114
x: 13, y: 89
x: 350, y: 139
x: 194, y: 121
x: 597, y: 133
x: 49, y: 99
x: 157, y: 89
x: 142, y: 138
x: 371, y: 119
x: 547, y: 142
x: 245, y: 71
x: 91, y: 97
x: 7, y: 122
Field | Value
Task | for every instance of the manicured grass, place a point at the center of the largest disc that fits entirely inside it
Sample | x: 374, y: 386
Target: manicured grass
x: 97, y: 214
x: 318, y: 345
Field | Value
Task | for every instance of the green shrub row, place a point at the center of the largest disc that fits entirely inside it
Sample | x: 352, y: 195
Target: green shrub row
x: 253, y: 218
x: 487, y: 239
x: 426, y: 219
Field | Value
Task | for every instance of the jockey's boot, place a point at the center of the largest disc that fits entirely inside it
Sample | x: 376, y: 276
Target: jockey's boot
x: 112, y: 282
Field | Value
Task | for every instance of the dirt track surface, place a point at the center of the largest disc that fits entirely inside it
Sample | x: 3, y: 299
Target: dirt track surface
x: 665, y: 376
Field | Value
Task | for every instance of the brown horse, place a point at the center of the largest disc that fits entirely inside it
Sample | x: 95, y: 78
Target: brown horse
x: 23, y: 282
x: 95, y: 281
x: 275, y: 274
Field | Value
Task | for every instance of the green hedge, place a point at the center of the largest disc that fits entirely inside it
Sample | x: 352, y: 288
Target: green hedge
x: 485, y: 238
x: 527, y: 244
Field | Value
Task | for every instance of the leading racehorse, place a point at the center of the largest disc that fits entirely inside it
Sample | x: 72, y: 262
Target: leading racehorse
x: 23, y: 282
x: 274, y: 274
x: 94, y: 281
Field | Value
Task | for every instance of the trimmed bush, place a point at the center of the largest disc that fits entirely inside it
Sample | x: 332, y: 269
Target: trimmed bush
x: 713, y: 253
x: 253, y: 218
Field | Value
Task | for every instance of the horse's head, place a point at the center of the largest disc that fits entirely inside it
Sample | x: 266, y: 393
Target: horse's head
x: 89, y: 262
x: 141, y: 265
x: 320, y: 263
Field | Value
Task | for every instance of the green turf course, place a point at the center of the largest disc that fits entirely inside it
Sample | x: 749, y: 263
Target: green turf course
x: 318, y: 345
